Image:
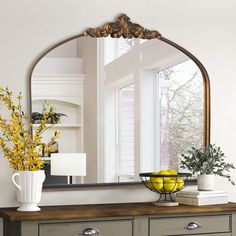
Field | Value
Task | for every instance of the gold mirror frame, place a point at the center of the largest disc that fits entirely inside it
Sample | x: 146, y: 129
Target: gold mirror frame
x: 123, y: 27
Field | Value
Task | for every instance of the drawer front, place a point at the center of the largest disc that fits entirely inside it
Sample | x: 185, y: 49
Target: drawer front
x: 178, y: 225
x: 219, y: 234
x: 105, y: 228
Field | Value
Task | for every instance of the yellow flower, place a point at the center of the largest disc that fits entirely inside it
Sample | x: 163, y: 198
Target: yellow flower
x: 24, y: 151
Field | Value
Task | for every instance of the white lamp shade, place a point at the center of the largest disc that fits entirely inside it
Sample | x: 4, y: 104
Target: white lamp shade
x: 68, y: 164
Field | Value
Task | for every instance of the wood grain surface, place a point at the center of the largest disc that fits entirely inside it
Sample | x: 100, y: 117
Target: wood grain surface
x: 109, y: 210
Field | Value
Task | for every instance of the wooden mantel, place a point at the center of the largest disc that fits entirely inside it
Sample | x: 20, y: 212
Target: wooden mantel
x: 109, y: 210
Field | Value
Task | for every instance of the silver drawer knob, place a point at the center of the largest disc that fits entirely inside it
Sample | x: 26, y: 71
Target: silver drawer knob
x: 193, y: 226
x: 89, y: 231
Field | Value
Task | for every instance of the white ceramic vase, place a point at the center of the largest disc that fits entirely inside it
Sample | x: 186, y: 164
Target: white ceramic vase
x: 29, y: 189
x: 206, y: 182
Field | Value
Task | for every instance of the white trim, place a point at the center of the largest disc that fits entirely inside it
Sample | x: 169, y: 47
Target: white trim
x: 100, y: 111
x: 58, y: 75
x: 78, y: 101
x: 137, y: 118
x: 119, y: 86
x: 171, y: 61
x: 117, y: 133
x: 157, y: 127
x: 64, y: 125
x: 58, y: 79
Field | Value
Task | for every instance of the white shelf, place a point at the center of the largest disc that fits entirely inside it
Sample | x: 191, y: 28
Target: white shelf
x: 64, y: 92
x: 75, y: 125
x: 46, y: 158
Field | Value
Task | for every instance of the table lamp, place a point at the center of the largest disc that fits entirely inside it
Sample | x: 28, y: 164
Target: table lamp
x: 68, y: 164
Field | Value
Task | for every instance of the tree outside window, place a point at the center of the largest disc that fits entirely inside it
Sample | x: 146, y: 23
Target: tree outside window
x: 181, y: 111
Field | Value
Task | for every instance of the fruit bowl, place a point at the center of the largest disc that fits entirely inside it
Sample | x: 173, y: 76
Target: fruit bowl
x: 165, y: 184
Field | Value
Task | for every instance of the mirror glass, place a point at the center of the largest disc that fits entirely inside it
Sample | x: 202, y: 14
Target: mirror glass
x: 131, y: 105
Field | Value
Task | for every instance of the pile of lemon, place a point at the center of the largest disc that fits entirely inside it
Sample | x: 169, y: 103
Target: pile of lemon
x: 165, y: 184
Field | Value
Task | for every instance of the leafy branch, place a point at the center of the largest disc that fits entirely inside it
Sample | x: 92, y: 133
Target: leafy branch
x: 22, y: 149
x: 207, y: 160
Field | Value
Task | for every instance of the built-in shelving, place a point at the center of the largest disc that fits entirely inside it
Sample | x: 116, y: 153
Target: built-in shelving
x: 60, y: 125
x: 65, y: 92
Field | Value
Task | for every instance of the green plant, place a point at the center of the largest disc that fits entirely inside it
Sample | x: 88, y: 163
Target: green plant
x: 207, y: 160
x: 36, y: 116
x: 52, y: 118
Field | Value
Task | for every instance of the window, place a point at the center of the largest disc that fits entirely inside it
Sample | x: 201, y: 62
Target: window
x: 114, y: 48
x: 125, y: 45
x: 165, y: 119
x: 181, y: 111
x: 125, y: 152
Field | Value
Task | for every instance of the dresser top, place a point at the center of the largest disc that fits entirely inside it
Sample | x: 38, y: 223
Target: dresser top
x: 109, y: 210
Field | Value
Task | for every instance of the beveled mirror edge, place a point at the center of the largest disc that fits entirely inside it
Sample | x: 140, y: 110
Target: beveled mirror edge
x: 123, y: 27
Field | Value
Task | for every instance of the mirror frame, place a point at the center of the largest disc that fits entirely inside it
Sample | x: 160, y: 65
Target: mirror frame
x: 123, y: 27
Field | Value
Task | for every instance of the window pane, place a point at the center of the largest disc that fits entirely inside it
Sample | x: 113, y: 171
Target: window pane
x: 126, y: 131
x: 125, y: 45
x: 110, y: 49
x: 114, y: 48
x: 181, y: 111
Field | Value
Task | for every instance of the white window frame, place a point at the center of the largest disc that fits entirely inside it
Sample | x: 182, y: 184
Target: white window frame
x: 139, y: 48
x: 118, y: 128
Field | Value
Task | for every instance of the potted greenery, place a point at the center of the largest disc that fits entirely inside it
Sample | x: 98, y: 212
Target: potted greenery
x: 23, y: 150
x: 206, y: 162
x: 37, y: 117
x: 52, y: 117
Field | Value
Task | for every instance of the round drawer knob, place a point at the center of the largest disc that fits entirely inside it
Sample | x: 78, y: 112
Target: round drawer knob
x: 193, y: 226
x: 89, y: 231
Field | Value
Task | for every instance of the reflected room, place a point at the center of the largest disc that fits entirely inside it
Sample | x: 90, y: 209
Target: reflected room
x: 131, y: 105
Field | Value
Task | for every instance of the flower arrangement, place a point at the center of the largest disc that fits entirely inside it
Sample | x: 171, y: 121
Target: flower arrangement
x: 207, y: 160
x: 22, y: 148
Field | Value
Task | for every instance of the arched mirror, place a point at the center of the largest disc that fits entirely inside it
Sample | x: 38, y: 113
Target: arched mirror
x: 128, y: 98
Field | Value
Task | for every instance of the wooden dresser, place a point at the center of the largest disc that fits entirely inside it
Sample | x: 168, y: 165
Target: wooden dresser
x: 132, y: 219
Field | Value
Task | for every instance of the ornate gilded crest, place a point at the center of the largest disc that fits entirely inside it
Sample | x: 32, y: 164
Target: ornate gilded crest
x: 122, y: 27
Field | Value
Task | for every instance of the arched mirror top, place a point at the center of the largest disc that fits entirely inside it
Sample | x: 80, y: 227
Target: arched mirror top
x: 122, y: 28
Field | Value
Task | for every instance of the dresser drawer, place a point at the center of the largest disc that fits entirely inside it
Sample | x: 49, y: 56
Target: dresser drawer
x: 178, y: 225
x: 217, y: 234
x: 105, y: 228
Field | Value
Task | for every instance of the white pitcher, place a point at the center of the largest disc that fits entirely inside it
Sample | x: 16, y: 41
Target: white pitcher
x: 29, y: 188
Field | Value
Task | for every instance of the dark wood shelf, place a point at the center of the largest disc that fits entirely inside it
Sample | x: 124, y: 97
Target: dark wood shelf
x: 109, y: 210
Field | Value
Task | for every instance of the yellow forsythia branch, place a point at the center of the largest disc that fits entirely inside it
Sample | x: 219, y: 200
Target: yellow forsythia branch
x: 24, y: 152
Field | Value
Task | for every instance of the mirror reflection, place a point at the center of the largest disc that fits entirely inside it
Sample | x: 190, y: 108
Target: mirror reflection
x: 130, y: 105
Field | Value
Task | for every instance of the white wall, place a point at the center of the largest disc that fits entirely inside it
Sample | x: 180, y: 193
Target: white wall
x: 204, y: 27
x: 67, y: 50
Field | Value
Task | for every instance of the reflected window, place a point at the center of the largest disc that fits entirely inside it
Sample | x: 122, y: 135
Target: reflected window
x: 114, y: 48
x: 125, y: 152
x: 125, y: 45
x: 181, y: 111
